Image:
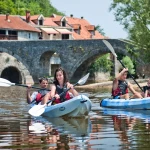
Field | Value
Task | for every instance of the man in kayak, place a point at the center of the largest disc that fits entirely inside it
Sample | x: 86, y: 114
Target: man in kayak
x: 38, y: 96
x: 59, y: 85
x: 121, y: 86
x: 147, y: 89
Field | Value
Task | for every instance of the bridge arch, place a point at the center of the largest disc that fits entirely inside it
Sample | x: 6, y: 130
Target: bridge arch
x: 83, y: 67
x: 12, y: 74
x: 13, y: 70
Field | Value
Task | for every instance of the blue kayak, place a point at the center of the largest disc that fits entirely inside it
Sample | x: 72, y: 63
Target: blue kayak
x: 143, y: 103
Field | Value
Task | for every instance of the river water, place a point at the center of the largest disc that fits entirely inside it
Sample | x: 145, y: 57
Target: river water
x: 103, y: 129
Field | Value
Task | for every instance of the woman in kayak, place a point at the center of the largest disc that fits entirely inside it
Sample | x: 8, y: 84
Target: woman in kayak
x: 147, y: 89
x: 121, y: 86
x: 38, y: 96
x: 60, y: 85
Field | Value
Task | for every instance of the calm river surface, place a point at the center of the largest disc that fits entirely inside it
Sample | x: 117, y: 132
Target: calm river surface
x: 103, y: 129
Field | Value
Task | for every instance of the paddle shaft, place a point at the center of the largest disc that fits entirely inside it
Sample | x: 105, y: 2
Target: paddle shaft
x: 31, y: 87
x: 130, y: 75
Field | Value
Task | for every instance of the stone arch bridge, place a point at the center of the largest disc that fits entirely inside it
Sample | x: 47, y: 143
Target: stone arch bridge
x: 76, y: 55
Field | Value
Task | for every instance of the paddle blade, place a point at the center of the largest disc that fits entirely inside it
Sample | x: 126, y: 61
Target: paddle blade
x: 6, y: 83
x: 83, y: 80
x: 109, y: 46
x: 37, y: 110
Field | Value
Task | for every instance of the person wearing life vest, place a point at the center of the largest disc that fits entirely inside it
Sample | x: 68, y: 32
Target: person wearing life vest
x: 38, y: 96
x: 147, y: 89
x: 121, y: 86
x: 60, y: 85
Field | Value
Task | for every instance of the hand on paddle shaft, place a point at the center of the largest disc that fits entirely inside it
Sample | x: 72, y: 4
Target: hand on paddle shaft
x: 109, y: 46
x: 6, y: 83
x: 38, y: 110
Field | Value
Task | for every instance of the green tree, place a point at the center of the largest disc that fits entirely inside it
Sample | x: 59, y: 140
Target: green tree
x: 7, y: 6
x: 100, y: 30
x: 129, y: 64
x: 18, y: 7
x: 102, y: 64
x: 134, y: 15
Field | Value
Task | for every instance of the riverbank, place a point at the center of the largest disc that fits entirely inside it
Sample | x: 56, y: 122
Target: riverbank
x: 108, y: 84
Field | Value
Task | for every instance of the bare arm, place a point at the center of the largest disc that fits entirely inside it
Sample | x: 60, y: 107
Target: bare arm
x: 72, y: 90
x: 115, y: 84
x: 130, y: 86
x: 29, y: 99
x: 53, y: 91
x: 135, y: 93
x: 122, y: 72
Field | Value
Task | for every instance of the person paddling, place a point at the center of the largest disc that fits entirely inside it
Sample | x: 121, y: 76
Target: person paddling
x: 38, y: 96
x: 121, y: 86
x: 147, y: 89
x: 59, y: 85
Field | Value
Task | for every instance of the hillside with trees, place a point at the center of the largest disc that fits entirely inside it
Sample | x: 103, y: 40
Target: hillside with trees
x: 18, y: 7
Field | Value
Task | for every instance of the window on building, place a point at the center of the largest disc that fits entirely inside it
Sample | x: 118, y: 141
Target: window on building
x: 77, y: 31
x: 2, y: 32
x: 63, y: 23
x: 10, y: 32
x: 41, y: 22
x: 92, y: 32
x: 65, y: 36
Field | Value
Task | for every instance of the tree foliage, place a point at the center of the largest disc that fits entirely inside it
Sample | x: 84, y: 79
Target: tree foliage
x: 102, y: 64
x: 135, y: 16
x: 129, y: 64
x: 100, y: 30
x: 18, y: 7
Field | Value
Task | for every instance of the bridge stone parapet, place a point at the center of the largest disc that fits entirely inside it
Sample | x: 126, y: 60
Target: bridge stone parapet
x: 75, y: 55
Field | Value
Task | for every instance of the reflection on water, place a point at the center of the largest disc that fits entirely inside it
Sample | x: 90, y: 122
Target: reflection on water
x: 103, y: 129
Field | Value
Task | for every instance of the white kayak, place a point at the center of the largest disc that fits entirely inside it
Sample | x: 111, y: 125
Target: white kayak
x: 76, y: 107
x: 143, y: 103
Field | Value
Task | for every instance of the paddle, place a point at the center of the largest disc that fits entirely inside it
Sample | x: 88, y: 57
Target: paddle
x: 113, y: 52
x: 6, y: 83
x: 38, y: 110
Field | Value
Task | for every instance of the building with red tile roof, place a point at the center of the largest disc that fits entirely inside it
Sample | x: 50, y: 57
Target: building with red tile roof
x: 54, y: 27
x: 13, y: 27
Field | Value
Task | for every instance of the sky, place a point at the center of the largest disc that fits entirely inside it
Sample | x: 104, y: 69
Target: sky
x: 96, y: 12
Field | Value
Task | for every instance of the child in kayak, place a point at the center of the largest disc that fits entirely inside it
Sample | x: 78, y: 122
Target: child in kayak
x: 59, y: 85
x: 38, y: 96
x: 147, y: 89
x: 121, y: 86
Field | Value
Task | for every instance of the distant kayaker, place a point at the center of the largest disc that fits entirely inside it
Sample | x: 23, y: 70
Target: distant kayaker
x: 121, y: 86
x: 38, y: 96
x: 60, y: 85
x: 147, y: 89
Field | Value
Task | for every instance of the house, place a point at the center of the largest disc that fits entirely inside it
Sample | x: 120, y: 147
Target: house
x: 58, y: 27
x: 82, y: 29
x: 12, y: 27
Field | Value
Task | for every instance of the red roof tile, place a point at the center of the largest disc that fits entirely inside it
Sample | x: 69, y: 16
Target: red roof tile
x: 15, y: 23
x: 84, y: 32
x: 90, y: 27
x: 76, y: 26
x: 49, y: 22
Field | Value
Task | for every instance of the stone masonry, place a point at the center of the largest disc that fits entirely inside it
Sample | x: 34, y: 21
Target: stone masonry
x: 75, y: 55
